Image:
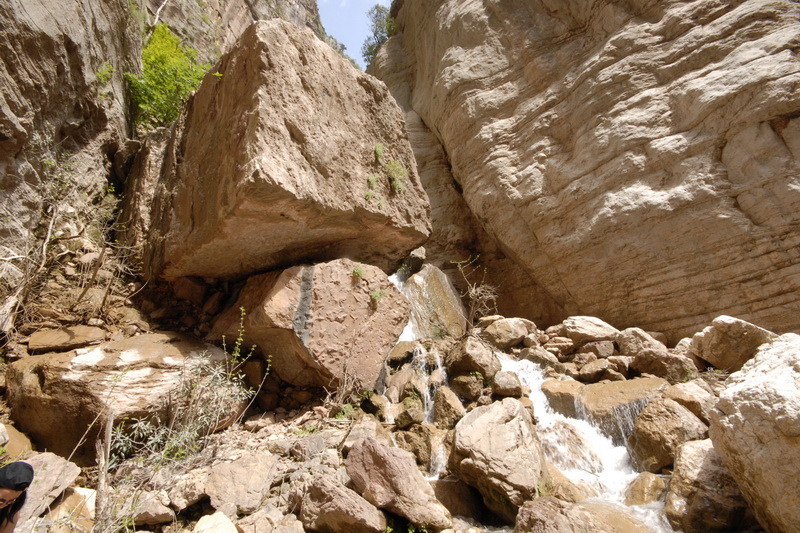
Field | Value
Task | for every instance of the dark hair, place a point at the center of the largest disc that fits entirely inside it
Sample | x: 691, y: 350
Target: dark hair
x: 8, y: 512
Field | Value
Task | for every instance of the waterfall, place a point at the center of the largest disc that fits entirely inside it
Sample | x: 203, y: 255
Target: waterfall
x: 581, y: 451
x: 411, y: 330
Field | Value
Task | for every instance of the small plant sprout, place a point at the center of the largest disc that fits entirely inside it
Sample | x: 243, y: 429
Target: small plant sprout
x: 398, y: 175
x: 372, y: 180
x: 377, y: 295
x: 369, y: 196
x: 104, y: 74
x: 358, y: 271
x: 378, y: 151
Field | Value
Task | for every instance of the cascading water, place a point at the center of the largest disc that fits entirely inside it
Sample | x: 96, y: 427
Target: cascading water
x: 581, y: 451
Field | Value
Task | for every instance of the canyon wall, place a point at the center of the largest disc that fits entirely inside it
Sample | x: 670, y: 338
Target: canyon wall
x: 637, y: 159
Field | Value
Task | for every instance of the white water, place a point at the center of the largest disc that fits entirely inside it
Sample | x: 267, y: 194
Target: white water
x: 581, y: 451
x: 411, y: 330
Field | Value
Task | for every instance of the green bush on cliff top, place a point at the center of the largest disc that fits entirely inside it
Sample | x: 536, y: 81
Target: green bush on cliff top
x: 170, y: 73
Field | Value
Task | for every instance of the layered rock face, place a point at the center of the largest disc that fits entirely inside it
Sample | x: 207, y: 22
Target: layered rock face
x: 62, y: 104
x: 646, y: 147
x: 291, y: 154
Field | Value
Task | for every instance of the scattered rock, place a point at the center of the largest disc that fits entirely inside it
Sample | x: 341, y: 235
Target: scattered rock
x: 631, y: 341
x: 507, y: 384
x: 472, y: 355
x: 703, y: 497
x: 325, y: 504
x: 447, y: 408
x: 662, y: 364
x: 728, y: 343
x: 646, y: 488
x: 583, y: 329
x: 253, y: 474
x: 661, y: 427
x: 65, y: 338
x: 215, y: 523
x: 505, y: 332
x: 549, y: 515
x: 497, y: 451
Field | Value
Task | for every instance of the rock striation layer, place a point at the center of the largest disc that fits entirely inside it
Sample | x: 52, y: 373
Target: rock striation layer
x: 290, y: 155
x: 650, y: 148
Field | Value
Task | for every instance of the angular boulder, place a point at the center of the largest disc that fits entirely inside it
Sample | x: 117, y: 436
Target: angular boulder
x: 321, y: 322
x: 702, y: 496
x: 497, y: 451
x: 327, y: 505
x: 728, y: 343
x: 506, y: 332
x: 660, y: 428
x: 253, y: 474
x: 472, y: 355
x: 583, y: 329
x: 550, y: 515
x: 54, y: 398
x: 389, y: 479
x: 663, y: 364
x: 290, y: 155
x: 614, y: 406
x: 755, y: 428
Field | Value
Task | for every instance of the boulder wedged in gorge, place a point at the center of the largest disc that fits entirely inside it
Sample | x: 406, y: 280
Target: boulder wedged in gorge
x: 646, y: 147
x: 755, y: 428
x: 289, y: 154
x: 54, y: 398
x: 321, y: 323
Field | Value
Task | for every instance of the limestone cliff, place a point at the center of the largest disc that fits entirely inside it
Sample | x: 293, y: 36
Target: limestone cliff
x: 638, y: 159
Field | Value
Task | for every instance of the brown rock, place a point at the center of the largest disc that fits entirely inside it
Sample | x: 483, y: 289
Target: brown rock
x: 561, y: 347
x: 694, y: 395
x: 703, y: 497
x: 631, y: 341
x: 646, y: 488
x: 505, y: 332
x: 472, y: 355
x: 253, y: 472
x: 319, y: 322
x: 594, y: 371
x: 614, y: 406
x: 52, y: 475
x: 439, y: 312
x: 728, y: 343
x: 55, y: 397
x: 459, y: 498
x: 310, y: 192
x: 601, y: 349
x: 661, y: 427
x: 497, y: 451
x: 549, y: 515
x: 563, y: 395
x: 661, y: 363
x: 65, y: 339
x: 507, y: 384
x: 389, y: 479
x: 447, y: 408
x: 583, y: 329
x: 327, y: 505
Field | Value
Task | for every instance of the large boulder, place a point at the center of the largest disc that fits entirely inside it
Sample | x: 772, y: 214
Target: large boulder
x: 755, y: 427
x: 613, y: 406
x: 253, y: 473
x: 326, y: 505
x: 321, y: 322
x: 661, y: 363
x: 55, y: 398
x: 583, y: 329
x: 472, y: 355
x: 389, y: 479
x: 497, y: 451
x: 292, y: 152
x: 703, y: 497
x: 728, y: 343
x: 587, y: 155
x: 660, y: 428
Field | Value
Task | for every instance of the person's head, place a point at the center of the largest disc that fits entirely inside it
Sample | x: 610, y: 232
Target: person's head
x: 15, y: 478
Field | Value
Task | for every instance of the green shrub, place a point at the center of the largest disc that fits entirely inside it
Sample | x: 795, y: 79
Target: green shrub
x: 378, y: 151
x: 170, y: 73
x: 377, y: 295
x: 358, y: 271
x: 372, y: 180
x: 104, y: 74
x: 397, y: 175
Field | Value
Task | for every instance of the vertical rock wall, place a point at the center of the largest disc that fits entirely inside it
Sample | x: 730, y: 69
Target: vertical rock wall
x: 638, y: 159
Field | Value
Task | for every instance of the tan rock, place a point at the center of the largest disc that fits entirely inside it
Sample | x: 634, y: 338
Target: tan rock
x: 583, y: 329
x: 561, y: 347
x: 65, y: 339
x: 134, y: 377
x: 594, y: 371
x: 614, y: 406
x: 215, y: 523
x: 563, y: 395
x: 311, y: 185
x: 601, y: 349
x: 660, y: 428
x: 253, y: 472
x: 497, y: 451
x: 470, y: 386
x: 320, y: 322
x: 646, y: 488
x: 663, y: 364
x: 389, y: 479
x: 52, y: 475
x: 703, y: 497
x: 584, y: 152
x: 538, y: 355
x: 472, y: 355
x: 728, y: 343
x: 631, y: 341
x: 75, y: 511
x: 459, y: 498
x: 447, y: 408
x: 327, y: 505
x: 755, y: 428
x: 506, y: 332
x: 559, y: 486
x: 507, y: 384
x: 150, y: 507
x: 695, y: 396
x: 549, y: 515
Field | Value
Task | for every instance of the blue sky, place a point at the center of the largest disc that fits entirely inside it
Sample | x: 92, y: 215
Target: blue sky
x: 346, y: 21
